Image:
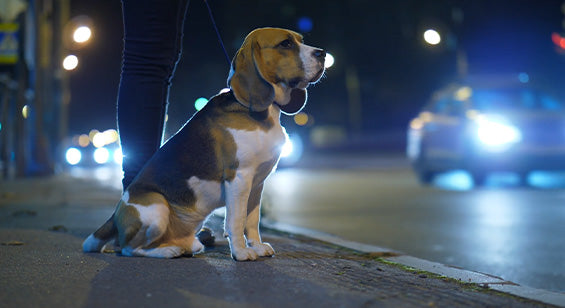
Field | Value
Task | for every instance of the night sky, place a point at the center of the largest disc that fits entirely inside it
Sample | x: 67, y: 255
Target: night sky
x: 379, y: 41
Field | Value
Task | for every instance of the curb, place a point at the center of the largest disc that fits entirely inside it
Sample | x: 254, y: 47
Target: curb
x: 468, y: 276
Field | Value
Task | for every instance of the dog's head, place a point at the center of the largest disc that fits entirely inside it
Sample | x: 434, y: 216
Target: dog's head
x: 274, y: 66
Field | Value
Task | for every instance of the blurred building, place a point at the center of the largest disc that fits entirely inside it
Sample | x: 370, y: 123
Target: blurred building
x: 33, y: 86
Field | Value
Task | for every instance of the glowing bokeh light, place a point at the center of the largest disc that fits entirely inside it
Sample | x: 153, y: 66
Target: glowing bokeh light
x: 200, y: 102
x: 73, y: 156
x: 83, y: 140
x: 558, y: 40
x: 70, y: 62
x: 497, y: 133
x: 25, y: 111
x: 416, y: 124
x: 329, y: 61
x: 463, y: 93
x: 111, y: 136
x: 82, y: 34
x: 301, y: 119
x: 524, y: 77
x: 98, y: 140
x: 118, y: 156
x: 287, y: 148
x: 432, y: 37
x: 92, y: 133
x: 292, y: 150
x: 305, y: 24
x: 101, y: 155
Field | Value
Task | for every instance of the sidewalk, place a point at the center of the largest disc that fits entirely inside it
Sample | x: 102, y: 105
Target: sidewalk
x: 44, y: 220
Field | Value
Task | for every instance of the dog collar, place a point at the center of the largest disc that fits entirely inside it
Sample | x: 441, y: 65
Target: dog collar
x: 247, y: 106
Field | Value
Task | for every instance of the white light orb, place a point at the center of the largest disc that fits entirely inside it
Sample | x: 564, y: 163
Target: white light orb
x: 432, y: 37
x: 82, y: 34
x: 70, y: 62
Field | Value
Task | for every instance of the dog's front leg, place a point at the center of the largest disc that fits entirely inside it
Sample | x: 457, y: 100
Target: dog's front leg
x: 237, y: 195
x: 252, y: 224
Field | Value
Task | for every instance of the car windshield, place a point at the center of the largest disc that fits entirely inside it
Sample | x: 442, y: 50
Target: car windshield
x: 513, y: 99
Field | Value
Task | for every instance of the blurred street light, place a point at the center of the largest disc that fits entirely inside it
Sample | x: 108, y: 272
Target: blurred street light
x: 70, y: 62
x: 77, y: 32
x: 25, y: 111
x: 82, y: 34
x: 432, y: 37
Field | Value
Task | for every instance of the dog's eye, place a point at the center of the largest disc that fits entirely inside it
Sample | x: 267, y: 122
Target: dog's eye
x: 286, y: 44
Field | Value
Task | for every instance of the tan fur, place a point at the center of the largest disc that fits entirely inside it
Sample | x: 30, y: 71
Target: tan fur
x: 261, y: 72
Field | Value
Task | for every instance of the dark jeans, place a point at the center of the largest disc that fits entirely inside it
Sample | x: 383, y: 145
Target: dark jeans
x: 152, y: 47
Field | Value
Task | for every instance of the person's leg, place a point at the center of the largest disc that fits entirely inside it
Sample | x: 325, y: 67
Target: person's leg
x: 152, y: 46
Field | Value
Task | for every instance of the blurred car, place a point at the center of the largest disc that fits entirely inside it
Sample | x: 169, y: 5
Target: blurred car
x: 95, y: 149
x: 483, y: 126
x: 91, y: 156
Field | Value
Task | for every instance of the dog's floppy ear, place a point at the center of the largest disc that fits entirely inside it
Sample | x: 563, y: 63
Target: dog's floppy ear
x: 246, y: 81
x: 298, y: 98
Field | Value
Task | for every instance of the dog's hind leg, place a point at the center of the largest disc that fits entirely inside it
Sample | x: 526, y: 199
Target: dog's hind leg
x: 169, y: 249
x: 165, y: 252
x: 100, y: 237
x: 143, y: 224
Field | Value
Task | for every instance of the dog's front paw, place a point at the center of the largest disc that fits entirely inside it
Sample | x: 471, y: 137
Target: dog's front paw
x: 263, y: 249
x: 244, y: 254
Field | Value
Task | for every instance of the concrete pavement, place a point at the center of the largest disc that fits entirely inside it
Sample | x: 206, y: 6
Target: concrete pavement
x: 44, y: 220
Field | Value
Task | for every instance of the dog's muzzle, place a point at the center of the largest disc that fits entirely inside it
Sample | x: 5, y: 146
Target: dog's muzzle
x: 320, y: 55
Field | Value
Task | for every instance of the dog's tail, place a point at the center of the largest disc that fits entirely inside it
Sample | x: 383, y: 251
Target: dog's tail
x: 96, y: 241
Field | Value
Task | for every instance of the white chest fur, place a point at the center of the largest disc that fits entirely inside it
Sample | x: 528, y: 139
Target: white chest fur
x: 258, y: 145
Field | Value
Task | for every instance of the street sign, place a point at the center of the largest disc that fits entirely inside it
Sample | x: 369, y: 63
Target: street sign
x: 9, y: 43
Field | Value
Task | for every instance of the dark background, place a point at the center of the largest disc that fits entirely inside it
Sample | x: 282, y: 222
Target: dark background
x: 380, y: 41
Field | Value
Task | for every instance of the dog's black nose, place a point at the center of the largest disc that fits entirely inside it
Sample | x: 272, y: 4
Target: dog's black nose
x: 320, y: 54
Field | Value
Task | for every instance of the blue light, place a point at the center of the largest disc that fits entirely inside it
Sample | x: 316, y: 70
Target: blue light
x: 455, y: 180
x: 305, y: 24
x: 292, y: 150
x: 524, y: 77
x: 287, y: 148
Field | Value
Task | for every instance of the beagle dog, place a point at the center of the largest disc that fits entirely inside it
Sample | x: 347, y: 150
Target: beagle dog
x: 220, y: 157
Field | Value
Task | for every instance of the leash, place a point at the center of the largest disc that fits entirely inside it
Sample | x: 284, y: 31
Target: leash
x: 217, y: 32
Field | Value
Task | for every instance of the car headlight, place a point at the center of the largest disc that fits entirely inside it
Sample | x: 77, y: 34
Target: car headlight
x: 73, y: 156
x: 101, y: 155
x: 287, y: 148
x: 496, y: 132
x: 118, y: 156
x: 291, y: 150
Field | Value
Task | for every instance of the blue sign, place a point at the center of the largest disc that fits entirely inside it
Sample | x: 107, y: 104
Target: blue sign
x: 9, y: 43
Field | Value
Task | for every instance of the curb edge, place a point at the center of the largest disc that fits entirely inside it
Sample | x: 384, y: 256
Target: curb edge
x: 486, y: 280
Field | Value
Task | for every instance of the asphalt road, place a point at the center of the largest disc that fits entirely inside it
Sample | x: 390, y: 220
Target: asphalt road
x: 513, y: 232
